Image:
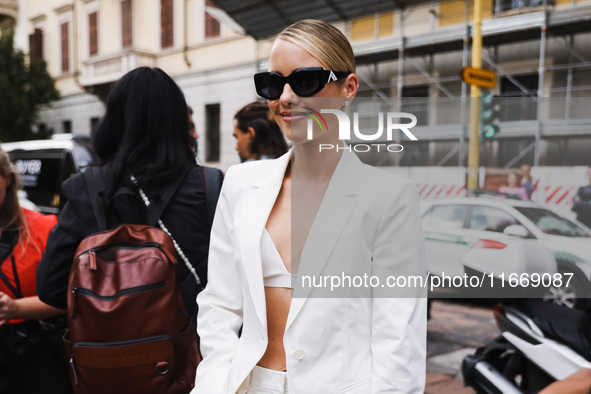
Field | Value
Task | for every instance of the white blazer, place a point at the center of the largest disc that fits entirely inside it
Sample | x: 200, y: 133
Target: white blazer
x: 354, y: 345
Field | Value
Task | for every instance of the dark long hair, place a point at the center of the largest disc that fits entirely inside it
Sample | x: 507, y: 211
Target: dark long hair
x: 268, y: 139
x: 144, y: 130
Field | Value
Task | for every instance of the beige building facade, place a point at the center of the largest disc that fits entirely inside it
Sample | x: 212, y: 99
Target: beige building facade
x: 538, y: 48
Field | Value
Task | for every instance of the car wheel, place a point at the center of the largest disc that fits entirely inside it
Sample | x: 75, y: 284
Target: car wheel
x: 575, y: 294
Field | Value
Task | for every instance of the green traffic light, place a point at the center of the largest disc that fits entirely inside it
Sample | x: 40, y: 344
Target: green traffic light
x: 490, y: 131
x: 489, y: 115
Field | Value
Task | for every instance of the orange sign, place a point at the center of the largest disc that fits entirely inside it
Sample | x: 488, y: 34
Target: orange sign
x: 478, y: 77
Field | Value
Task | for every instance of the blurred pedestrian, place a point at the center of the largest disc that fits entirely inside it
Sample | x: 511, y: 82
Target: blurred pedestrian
x: 144, y: 133
x: 527, y: 181
x: 513, y: 187
x: 257, y: 135
x: 31, y: 361
x: 582, y: 202
x: 193, y: 135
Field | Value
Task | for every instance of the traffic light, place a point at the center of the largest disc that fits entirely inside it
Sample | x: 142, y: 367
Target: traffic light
x: 489, y: 115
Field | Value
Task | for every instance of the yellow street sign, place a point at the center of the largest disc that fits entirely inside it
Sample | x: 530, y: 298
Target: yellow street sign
x: 478, y: 77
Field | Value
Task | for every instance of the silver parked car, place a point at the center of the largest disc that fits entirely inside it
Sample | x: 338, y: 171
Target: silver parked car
x: 454, y: 225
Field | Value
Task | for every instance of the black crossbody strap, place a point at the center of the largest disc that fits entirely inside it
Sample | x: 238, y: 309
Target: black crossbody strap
x: 17, y: 291
x: 155, y: 210
x: 213, y: 181
x: 96, y: 187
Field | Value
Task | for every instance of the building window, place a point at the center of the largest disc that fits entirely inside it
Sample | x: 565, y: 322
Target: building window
x: 166, y: 24
x: 36, y: 44
x: 93, y: 123
x: 212, y: 25
x: 415, y: 99
x: 212, y: 132
x: 509, y: 149
x: 126, y: 24
x: 415, y: 153
x: 67, y: 126
x: 42, y: 129
x: 93, y: 33
x: 517, y: 104
x: 65, y: 47
x: 517, y: 4
x: 372, y: 26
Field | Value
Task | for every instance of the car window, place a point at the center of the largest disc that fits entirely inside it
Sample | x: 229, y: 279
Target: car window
x: 550, y: 223
x: 490, y: 219
x: 447, y: 216
x: 82, y: 156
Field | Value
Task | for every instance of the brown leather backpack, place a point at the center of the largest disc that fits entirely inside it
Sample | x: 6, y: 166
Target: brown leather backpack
x: 128, y: 327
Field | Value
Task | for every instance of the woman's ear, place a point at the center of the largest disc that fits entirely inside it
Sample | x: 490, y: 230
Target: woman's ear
x: 351, y: 85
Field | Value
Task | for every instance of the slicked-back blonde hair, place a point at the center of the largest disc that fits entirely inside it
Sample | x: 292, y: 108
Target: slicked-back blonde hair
x: 323, y: 41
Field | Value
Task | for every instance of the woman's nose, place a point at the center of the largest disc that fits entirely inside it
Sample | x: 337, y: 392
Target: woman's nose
x: 287, y: 95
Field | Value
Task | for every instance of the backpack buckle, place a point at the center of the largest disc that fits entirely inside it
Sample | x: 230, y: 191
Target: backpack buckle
x: 162, y: 367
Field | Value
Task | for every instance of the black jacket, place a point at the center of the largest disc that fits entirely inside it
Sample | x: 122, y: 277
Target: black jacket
x: 583, y: 206
x: 185, y: 216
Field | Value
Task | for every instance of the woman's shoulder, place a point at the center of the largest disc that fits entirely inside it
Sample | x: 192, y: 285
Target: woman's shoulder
x: 73, y: 184
x: 245, y: 173
x: 37, y: 219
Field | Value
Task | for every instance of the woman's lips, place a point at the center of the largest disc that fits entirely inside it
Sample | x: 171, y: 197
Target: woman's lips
x: 289, y: 117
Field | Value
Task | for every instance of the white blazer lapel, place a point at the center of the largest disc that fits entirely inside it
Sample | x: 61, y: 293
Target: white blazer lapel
x: 332, y: 216
x: 256, y: 207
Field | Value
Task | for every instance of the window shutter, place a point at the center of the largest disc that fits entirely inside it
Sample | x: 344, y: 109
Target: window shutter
x: 126, y: 24
x: 212, y: 26
x: 36, y: 44
x: 166, y: 24
x: 65, y: 48
x: 93, y: 33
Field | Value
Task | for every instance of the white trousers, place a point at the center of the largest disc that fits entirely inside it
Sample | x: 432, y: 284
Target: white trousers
x: 267, y: 381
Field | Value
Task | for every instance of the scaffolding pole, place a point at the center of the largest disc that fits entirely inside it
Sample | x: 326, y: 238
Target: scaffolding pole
x: 541, y: 70
x: 464, y: 132
x: 474, y: 143
x: 400, y: 80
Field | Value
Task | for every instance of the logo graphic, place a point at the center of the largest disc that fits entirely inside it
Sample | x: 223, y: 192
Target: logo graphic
x: 345, y: 124
x: 331, y: 77
x: 317, y: 117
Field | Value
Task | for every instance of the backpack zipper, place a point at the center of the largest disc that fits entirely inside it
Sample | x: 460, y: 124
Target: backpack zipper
x: 112, y: 344
x: 73, y: 366
x: 132, y: 290
x: 121, y: 343
x: 130, y: 245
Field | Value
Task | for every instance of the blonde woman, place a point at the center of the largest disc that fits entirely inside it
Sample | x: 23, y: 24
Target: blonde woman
x: 318, y: 213
x: 30, y: 362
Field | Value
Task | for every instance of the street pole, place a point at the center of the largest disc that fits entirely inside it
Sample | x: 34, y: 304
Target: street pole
x: 473, y: 142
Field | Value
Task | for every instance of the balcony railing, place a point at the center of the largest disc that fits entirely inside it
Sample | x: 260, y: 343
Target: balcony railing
x: 105, y: 69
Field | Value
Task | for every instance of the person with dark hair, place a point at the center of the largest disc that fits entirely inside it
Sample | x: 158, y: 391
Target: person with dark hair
x: 512, y: 187
x: 582, y: 202
x: 193, y: 135
x: 257, y: 135
x: 527, y: 181
x: 142, y: 134
x: 31, y: 361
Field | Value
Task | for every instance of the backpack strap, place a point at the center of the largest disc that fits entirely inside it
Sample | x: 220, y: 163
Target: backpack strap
x: 17, y: 291
x: 213, y: 186
x: 157, y: 208
x: 96, y: 187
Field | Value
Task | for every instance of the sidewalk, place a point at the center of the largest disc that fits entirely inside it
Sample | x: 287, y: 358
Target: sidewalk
x: 454, y: 331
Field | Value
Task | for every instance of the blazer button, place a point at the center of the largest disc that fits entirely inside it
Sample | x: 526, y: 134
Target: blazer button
x: 299, y: 354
